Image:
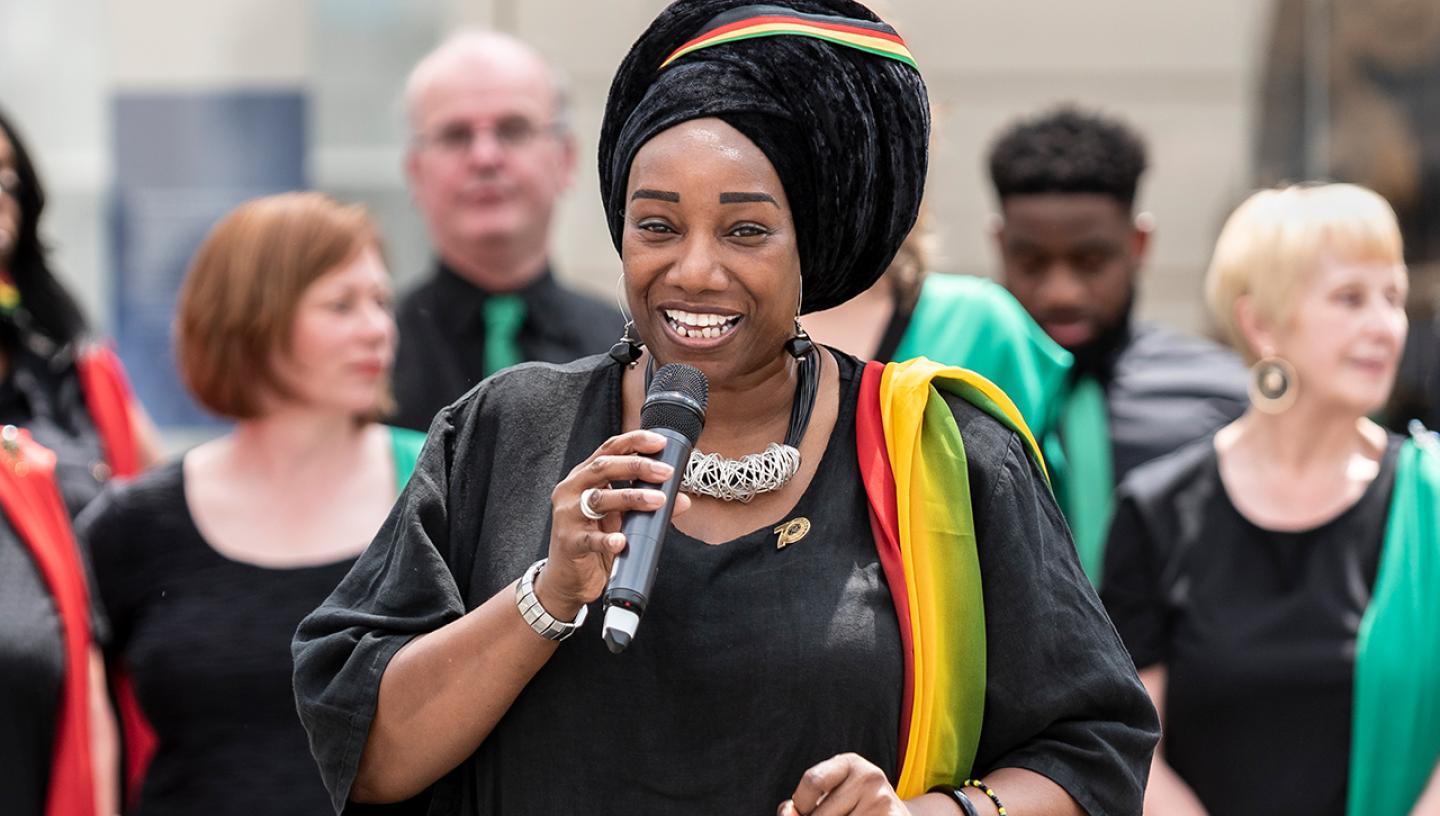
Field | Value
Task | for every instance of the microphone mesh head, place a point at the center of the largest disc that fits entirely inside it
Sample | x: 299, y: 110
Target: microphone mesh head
x: 677, y: 399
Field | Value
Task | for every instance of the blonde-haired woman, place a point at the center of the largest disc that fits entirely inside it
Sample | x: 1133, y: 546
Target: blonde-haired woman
x: 1267, y: 579
x: 206, y: 565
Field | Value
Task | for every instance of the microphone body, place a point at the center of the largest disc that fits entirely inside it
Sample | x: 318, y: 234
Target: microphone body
x: 674, y: 409
x: 633, y: 574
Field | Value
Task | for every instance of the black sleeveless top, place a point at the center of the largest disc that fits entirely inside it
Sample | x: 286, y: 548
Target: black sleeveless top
x: 206, y: 641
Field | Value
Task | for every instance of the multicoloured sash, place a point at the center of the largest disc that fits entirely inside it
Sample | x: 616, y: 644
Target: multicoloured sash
x: 1395, y: 736
x: 912, y: 461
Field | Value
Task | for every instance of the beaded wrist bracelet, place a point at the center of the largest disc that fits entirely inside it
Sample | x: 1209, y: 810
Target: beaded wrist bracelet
x: 966, y: 806
x: 979, y: 784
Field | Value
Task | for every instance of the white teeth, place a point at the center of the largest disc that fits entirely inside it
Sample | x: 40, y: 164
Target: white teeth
x: 696, y: 326
x: 695, y: 322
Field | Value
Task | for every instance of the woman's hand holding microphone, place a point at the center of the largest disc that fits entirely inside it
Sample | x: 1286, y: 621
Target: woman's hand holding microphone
x: 586, y: 512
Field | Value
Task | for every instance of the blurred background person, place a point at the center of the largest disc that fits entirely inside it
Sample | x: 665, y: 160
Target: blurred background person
x: 961, y: 320
x: 490, y: 154
x: 1350, y: 91
x: 1071, y: 247
x: 1275, y: 582
x: 207, y: 564
x: 69, y: 392
x: 81, y: 426
x: 58, y: 744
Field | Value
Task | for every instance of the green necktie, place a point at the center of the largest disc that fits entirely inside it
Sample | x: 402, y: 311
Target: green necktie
x: 1087, y: 488
x: 503, y: 316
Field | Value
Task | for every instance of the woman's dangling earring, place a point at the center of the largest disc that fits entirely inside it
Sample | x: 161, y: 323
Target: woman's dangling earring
x: 800, y: 345
x: 627, y: 351
x: 1273, y: 387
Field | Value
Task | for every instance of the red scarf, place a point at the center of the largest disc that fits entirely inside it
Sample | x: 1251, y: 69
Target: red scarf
x: 32, y: 503
x: 109, y: 400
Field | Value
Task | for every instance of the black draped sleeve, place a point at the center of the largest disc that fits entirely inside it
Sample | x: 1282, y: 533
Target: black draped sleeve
x: 400, y: 587
x: 1061, y: 698
x: 454, y: 538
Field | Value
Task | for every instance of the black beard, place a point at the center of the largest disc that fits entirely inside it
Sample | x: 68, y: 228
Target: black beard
x: 1096, y: 358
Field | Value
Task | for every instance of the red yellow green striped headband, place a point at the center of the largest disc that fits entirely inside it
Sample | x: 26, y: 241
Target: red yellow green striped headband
x: 749, y: 22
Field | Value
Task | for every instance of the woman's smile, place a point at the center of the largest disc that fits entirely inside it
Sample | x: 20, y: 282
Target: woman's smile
x: 692, y: 326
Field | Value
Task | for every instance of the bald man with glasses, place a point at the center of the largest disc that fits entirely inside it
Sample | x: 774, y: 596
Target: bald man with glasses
x: 490, y: 153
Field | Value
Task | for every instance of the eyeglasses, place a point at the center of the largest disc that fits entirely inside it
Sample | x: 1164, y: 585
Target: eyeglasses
x: 10, y: 182
x: 510, y: 134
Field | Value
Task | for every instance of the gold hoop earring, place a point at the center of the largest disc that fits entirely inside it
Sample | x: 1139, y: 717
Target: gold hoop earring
x: 1273, y: 385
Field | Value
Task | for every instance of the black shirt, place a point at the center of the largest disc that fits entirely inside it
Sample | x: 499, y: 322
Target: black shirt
x: 751, y: 663
x: 729, y: 631
x: 1165, y: 390
x: 206, y: 642
x: 43, y: 395
x: 442, y: 337
x: 1256, y: 628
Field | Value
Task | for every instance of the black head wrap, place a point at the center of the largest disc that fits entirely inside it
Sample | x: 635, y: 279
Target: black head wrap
x: 846, y: 130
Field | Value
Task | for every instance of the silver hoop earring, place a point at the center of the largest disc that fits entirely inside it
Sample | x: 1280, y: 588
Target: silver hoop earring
x: 1273, y: 387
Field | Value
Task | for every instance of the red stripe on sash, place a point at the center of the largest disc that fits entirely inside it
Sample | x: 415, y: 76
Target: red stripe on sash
x: 879, y: 482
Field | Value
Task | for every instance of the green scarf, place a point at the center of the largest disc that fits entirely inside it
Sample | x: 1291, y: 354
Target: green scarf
x: 974, y: 323
x: 1086, y: 476
x: 405, y: 446
x: 1395, y: 738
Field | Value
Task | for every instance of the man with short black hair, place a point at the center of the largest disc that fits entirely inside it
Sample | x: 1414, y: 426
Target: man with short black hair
x: 1072, y: 246
x: 490, y: 154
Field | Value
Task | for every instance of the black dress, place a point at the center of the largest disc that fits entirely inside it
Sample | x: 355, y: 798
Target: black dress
x: 1256, y: 629
x: 32, y: 674
x: 206, y: 641
x: 752, y: 663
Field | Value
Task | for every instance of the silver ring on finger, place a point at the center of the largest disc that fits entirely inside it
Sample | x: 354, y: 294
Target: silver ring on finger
x: 587, y: 504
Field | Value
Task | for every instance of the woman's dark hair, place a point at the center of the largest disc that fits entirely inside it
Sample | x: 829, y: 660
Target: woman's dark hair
x: 46, y: 307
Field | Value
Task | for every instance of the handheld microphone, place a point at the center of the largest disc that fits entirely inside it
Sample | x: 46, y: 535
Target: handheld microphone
x: 675, y: 409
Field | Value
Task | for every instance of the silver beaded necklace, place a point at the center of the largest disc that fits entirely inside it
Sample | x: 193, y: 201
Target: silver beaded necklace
x: 742, y: 479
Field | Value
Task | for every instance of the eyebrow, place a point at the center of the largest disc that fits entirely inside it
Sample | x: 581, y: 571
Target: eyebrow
x: 747, y: 198
x: 658, y: 195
